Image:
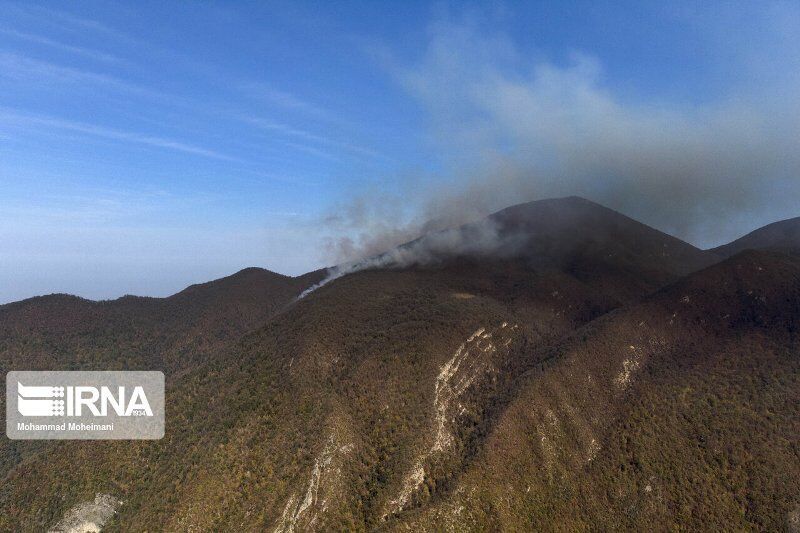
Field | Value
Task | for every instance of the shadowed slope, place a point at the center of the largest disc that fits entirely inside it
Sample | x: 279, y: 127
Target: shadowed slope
x: 779, y: 236
x: 573, y: 229
x: 571, y: 235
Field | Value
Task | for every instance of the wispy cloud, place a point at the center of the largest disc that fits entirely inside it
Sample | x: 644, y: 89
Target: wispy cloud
x: 73, y: 20
x: 23, y: 68
x: 78, y: 205
x: 78, y: 50
x: 289, y: 101
x: 311, y: 150
x: 24, y: 119
x: 67, y: 21
x: 290, y: 131
x: 26, y: 69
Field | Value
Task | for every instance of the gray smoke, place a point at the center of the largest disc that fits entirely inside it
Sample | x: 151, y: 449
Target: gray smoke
x: 482, y: 238
x: 512, y: 130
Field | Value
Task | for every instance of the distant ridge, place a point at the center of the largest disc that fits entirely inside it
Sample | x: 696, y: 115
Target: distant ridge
x: 778, y: 236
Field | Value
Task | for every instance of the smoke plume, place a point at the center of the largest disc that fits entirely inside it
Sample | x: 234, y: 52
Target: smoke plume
x: 510, y: 129
x: 480, y: 238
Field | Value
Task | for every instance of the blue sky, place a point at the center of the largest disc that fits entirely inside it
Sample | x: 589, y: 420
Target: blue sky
x: 146, y: 146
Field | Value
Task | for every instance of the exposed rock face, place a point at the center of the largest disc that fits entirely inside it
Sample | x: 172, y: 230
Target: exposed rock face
x: 473, y: 362
x: 303, y: 511
x: 88, y: 517
x: 793, y: 520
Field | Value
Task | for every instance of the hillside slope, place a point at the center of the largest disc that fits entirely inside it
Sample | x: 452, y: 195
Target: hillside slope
x: 244, y: 430
x: 62, y: 331
x: 174, y: 334
x: 779, y: 236
x: 561, y: 386
x: 682, y: 411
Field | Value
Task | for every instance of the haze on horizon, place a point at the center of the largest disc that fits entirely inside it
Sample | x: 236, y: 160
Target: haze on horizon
x: 140, y: 155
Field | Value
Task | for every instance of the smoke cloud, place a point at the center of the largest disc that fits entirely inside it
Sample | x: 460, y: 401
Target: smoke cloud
x: 510, y: 129
x: 480, y: 238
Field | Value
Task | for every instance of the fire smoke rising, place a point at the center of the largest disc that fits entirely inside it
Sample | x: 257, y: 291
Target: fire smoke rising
x: 480, y: 238
x: 512, y: 130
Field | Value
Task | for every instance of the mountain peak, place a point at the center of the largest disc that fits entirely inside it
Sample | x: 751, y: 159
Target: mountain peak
x: 565, y: 230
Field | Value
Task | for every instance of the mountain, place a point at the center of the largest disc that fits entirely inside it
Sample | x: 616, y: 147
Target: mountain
x: 174, y: 334
x: 677, y: 412
x: 780, y: 236
x: 167, y: 333
x: 583, y: 237
x: 577, y: 370
x: 572, y: 236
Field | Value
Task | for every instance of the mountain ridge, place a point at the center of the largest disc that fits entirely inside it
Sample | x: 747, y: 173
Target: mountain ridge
x: 308, y: 277
x: 485, y: 392
x: 783, y: 235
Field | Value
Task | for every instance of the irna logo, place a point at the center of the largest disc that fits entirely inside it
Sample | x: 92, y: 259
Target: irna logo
x: 46, y: 400
x: 85, y: 405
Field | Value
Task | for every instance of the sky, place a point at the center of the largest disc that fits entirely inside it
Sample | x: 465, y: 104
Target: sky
x: 146, y: 146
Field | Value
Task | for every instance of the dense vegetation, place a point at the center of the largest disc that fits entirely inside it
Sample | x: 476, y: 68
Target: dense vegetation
x: 587, y: 390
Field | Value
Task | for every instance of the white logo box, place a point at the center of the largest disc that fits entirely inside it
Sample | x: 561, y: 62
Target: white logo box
x: 116, y: 405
